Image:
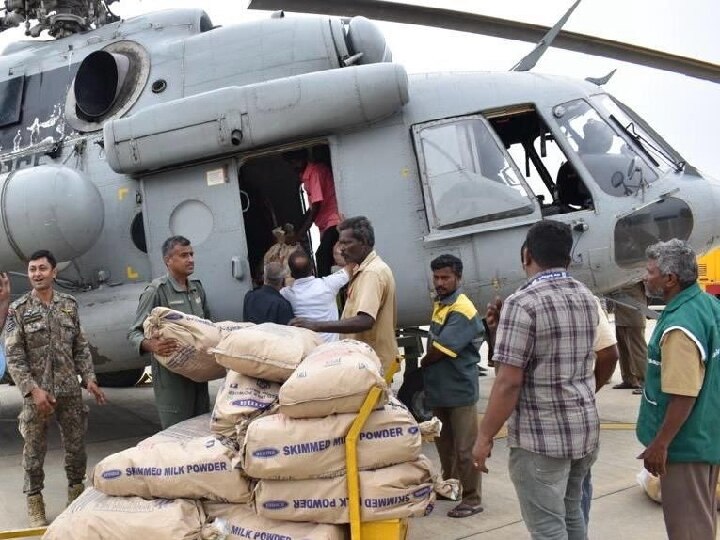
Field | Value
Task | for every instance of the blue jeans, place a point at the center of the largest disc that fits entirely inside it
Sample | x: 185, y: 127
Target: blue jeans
x: 586, y: 497
x: 550, y: 491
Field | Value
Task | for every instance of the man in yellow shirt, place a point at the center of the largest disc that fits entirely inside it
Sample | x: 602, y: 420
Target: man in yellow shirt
x: 370, y: 313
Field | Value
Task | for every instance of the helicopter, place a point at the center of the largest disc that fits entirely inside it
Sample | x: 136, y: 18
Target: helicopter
x: 120, y: 133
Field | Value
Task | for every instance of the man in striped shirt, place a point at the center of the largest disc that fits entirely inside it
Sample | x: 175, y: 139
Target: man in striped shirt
x: 545, y: 386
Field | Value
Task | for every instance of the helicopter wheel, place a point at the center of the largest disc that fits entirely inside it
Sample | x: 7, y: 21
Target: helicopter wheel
x: 120, y: 379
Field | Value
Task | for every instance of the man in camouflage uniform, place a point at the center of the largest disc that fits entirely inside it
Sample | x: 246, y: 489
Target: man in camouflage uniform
x: 177, y: 398
x: 46, y: 351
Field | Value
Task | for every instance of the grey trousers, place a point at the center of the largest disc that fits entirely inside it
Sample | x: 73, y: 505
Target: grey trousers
x: 550, y: 491
x: 689, y: 500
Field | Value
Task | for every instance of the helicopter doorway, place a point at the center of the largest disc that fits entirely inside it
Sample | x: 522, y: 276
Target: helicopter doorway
x: 546, y: 168
x: 274, y: 199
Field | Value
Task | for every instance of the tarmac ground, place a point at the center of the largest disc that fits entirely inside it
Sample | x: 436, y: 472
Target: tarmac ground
x: 620, y: 508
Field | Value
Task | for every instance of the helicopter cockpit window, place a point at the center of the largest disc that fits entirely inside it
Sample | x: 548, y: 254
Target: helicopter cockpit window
x: 614, y: 162
x: 649, y: 143
x: 11, y: 92
x: 468, y: 176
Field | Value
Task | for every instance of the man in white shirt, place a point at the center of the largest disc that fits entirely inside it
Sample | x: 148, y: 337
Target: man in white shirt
x: 314, y: 298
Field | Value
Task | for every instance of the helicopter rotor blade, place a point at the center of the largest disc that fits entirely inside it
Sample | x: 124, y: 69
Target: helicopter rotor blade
x: 501, y: 28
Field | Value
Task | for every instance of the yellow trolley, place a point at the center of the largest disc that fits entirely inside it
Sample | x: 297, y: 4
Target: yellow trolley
x: 391, y: 529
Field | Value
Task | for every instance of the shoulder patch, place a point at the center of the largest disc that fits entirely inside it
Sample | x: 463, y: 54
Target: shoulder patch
x: 10, y: 323
x: 464, y: 306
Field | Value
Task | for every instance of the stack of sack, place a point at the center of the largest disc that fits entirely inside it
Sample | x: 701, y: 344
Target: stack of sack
x: 196, y: 337
x: 270, y: 460
x: 259, y: 359
x: 298, y: 454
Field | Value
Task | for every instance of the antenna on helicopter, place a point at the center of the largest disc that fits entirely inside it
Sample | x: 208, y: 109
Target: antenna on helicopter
x: 601, y: 80
x: 529, y: 61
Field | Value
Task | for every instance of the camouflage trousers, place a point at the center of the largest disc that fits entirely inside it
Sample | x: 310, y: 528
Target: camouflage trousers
x: 71, y: 415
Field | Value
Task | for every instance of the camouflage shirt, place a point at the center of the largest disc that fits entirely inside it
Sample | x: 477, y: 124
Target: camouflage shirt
x: 166, y: 292
x: 45, y: 346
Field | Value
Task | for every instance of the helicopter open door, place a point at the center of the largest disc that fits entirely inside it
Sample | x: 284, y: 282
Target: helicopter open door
x: 202, y: 203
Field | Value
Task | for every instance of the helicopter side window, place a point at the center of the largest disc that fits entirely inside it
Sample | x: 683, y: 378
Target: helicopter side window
x: 11, y: 92
x: 616, y: 167
x: 467, y: 174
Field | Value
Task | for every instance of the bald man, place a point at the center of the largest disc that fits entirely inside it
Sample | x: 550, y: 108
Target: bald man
x: 314, y: 298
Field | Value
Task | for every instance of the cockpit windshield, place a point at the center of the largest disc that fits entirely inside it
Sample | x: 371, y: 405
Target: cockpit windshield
x: 615, y: 160
x: 650, y: 143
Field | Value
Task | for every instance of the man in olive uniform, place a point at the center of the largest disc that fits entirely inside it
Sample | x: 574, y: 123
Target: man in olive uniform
x: 177, y: 398
x: 46, y: 351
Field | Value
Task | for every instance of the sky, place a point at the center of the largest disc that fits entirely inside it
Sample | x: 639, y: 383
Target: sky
x: 685, y: 111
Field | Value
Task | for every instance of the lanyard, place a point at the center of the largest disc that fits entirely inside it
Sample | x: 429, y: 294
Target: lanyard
x: 548, y: 276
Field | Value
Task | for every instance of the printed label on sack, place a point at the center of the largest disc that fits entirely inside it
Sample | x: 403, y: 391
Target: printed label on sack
x: 265, y: 452
x: 332, y: 502
x: 253, y: 403
x: 112, y: 473
x: 244, y: 532
x: 323, y: 444
x: 275, y: 505
x: 177, y: 470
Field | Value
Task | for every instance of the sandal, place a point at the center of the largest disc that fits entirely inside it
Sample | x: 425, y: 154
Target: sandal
x: 464, y: 510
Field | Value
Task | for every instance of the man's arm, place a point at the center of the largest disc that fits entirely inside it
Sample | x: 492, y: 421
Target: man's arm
x: 456, y: 334
x: 361, y: 322
x: 16, y: 356
x: 4, y: 298
x: 339, y: 279
x: 82, y: 358
x: 655, y: 456
x: 149, y: 299
x: 307, y: 222
x: 503, y: 400
x: 605, y: 363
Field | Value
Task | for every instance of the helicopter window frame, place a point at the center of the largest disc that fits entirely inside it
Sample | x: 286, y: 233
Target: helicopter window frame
x: 467, y: 163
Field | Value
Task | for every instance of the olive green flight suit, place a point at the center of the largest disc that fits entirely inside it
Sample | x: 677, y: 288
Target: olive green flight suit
x: 177, y: 398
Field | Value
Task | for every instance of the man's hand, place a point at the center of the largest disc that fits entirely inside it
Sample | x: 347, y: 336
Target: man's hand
x: 162, y: 346
x: 4, y: 289
x: 305, y: 323
x: 97, y: 392
x: 44, y: 402
x: 492, y: 315
x: 655, y: 458
x: 481, y: 452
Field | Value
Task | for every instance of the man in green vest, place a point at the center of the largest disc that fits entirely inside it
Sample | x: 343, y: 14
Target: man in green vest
x: 678, y: 422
